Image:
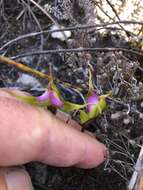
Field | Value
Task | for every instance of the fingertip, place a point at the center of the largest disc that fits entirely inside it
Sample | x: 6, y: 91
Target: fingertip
x: 96, y: 153
x: 66, y: 146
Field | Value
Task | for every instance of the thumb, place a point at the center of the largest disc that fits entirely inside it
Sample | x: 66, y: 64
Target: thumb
x: 14, y: 179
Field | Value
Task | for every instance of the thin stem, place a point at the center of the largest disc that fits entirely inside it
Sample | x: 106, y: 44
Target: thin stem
x: 115, y: 12
x: 45, y: 12
x: 52, y: 51
x: 23, y: 67
x: 49, y: 16
x: 27, y: 69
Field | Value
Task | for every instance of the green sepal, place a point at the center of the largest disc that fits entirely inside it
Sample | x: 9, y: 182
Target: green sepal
x: 54, y: 88
x: 27, y: 99
x: 68, y: 107
x: 90, y: 85
x: 84, y: 117
x: 98, y: 109
x: 30, y: 100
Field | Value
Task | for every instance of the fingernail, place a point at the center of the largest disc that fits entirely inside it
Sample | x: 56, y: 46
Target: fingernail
x: 18, y: 180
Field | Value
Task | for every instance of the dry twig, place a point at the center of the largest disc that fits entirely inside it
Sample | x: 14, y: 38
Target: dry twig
x: 23, y: 67
x: 136, y: 182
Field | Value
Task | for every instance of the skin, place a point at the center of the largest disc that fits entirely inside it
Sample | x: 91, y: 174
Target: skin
x: 30, y: 133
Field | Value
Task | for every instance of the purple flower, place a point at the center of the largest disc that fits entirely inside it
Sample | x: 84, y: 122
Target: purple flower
x: 52, y: 97
x: 92, y: 101
x: 44, y: 96
x: 55, y: 100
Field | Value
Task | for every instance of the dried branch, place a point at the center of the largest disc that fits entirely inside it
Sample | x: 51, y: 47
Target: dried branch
x: 76, y: 50
x: 23, y: 67
x: 135, y: 183
x: 27, y: 69
x: 45, y: 12
x: 49, y: 16
x: 34, y: 34
x: 115, y: 12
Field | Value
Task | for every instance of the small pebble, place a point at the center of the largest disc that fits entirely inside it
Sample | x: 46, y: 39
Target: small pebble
x: 141, y: 104
x: 29, y: 82
x: 59, y: 35
x: 141, y: 115
x: 126, y: 121
x: 115, y: 115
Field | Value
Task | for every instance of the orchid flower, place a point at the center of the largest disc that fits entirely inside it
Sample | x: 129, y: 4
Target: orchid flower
x: 51, y: 96
x: 92, y: 101
x: 95, y: 104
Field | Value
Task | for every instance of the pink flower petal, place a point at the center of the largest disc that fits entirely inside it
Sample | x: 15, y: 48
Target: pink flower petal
x: 55, y: 100
x: 44, y: 96
x: 92, y: 101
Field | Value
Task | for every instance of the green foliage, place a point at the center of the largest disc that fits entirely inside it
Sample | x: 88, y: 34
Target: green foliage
x: 95, y: 112
x: 98, y: 105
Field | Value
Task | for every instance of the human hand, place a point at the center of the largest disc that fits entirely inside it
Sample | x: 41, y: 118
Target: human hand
x: 30, y: 133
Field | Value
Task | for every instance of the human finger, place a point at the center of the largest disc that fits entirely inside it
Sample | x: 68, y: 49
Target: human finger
x: 30, y: 133
x: 14, y: 178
